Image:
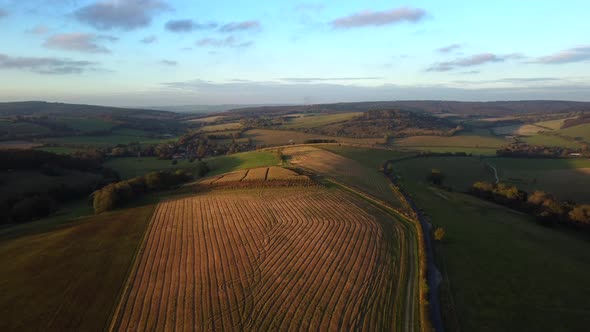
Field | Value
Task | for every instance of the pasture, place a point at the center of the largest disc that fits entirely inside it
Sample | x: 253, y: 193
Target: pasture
x: 221, y: 127
x: 495, y: 265
x: 131, y: 167
x: 464, y: 141
x: 86, y: 125
x: 550, y: 140
x: 67, y: 278
x: 274, y: 259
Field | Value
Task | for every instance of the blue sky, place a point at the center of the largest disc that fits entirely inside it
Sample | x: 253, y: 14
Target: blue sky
x: 167, y: 52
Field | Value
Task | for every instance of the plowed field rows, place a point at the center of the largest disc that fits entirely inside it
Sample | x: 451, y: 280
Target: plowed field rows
x: 259, y: 260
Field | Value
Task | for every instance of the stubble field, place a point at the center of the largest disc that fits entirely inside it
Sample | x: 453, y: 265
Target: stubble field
x: 280, y: 259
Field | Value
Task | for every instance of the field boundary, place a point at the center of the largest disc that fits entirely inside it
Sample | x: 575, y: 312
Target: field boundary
x: 115, y: 311
x: 425, y: 324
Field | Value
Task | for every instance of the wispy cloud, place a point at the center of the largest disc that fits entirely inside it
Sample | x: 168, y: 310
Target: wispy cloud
x: 449, y: 48
x: 79, y: 42
x: 326, y: 79
x: 379, y: 18
x: 474, y: 60
x: 169, y: 62
x: 45, y: 65
x: 149, y: 39
x: 38, y: 30
x: 188, y: 26
x: 121, y: 14
x: 240, y: 26
x: 576, y: 54
x: 230, y: 41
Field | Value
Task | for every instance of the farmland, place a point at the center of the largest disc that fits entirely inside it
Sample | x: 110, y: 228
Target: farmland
x: 465, y: 140
x: 221, y: 127
x: 284, y: 137
x: 131, y: 167
x: 256, y: 177
x: 495, y: 264
x: 277, y: 259
x: 312, y: 121
x: 68, y: 277
x: 343, y: 169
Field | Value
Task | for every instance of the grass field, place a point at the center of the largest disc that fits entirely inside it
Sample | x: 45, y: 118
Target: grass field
x: 466, y: 140
x: 313, y: 121
x: 222, y: 127
x: 107, y: 140
x: 551, y: 124
x: 85, y: 125
x: 17, y: 145
x: 565, y: 178
x: 67, y: 278
x: 522, y: 130
x: 59, y: 149
x: 371, y: 158
x: 550, y: 140
x: 506, y: 272
x: 208, y: 119
x: 582, y: 131
x: 276, y: 259
x: 284, y: 137
x: 131, y: 167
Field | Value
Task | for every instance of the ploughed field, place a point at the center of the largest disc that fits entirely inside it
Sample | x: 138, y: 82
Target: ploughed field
x: 268, y: 259
x: 273, y: 176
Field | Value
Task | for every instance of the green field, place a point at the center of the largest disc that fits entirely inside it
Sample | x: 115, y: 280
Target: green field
x: 505, y: 272
x: 468, y: 140
x: 371, y: 158
x: 59, y: 149
x: 550, y: 140
x: 313, y: 121
x: 221, y: 127
x: 582, y: 131
x: 108, y: 140
x: 85, y: 125
x: 131, y: 167
x: 67, y: 278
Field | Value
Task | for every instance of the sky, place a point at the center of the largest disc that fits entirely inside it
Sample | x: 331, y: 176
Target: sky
x: 171, y: 52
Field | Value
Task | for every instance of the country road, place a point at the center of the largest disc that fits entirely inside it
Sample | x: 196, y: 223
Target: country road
x: 495, y: 172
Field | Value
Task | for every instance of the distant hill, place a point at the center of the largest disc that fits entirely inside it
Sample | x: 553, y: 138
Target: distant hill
x: 495, y: 108
x: 40, y: 108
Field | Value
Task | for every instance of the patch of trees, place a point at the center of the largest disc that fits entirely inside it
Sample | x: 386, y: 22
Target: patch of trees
x: 519, y: 150
x: 317, y: 141
x: 547, y: 209
x: 37, y: 159
x: 393, y: 123
x: 582, y: 119
x: 123, y: 192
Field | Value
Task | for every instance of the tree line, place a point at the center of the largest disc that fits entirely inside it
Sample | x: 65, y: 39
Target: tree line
x: 545, y: 207
x: 122, y: 192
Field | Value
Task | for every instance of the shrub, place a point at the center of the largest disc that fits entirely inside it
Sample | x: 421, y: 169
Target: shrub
x: 439, y: 234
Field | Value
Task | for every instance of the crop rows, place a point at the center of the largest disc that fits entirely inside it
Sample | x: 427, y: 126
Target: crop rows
x: 263, y: 260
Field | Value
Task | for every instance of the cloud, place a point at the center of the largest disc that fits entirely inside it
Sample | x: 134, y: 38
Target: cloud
x: 188, y: 26
x: 324, y: 79
x: 250, y: 92
x: 149, y: 39
x: 240, y: 26
x: 513, y: 80
x: 38, y: 30
x: 449, y: 48
x: 230, y: 41
x: 121, y: 14
x: 379, y: 18
x: 79, y: 42
x: 3, y: 13
x: 576, y: 54
x: 169, y: 62
x: 45, y: 65
x: 474, y: 60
